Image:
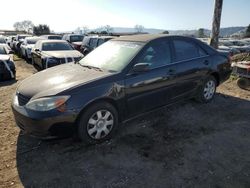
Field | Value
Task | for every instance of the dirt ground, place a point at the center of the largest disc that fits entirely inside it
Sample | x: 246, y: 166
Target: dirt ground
x: 187, y: 145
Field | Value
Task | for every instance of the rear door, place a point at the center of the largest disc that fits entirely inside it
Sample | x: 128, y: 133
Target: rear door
x: 191, y: 64
x: 148, y: 90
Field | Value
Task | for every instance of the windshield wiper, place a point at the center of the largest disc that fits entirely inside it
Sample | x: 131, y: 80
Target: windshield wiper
x: 91, y: 67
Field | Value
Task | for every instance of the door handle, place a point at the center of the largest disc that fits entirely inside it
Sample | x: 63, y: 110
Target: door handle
x: 206, y: 62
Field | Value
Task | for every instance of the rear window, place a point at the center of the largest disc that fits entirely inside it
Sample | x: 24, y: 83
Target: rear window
x: 76, y: 38
x: 185, y: 50
x: 56, y: 46
x: 55, y: 37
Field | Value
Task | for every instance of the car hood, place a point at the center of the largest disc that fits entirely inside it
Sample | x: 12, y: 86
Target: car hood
x: 58, y: 79
x: 62, y: 54
x: 4, y: 57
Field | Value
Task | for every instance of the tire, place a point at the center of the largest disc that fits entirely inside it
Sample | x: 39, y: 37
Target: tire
x: 243, y: 83
x: 98, y: 123
x: 207, y: 91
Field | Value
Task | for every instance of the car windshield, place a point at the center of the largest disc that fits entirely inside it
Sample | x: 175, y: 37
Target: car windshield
x: 2, y: 50
x: 2, y: 40
x: 112, y: 56
x: 56, y: 46
x: 56, y: 37
x: 32, y: 41
x: 76, y: 38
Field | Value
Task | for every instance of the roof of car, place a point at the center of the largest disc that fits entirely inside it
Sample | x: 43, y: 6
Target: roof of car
x: 30, y: 38
x: 100, y: 37
x: 141, y: 37
x: 74, y: 34
x: 52, y: 41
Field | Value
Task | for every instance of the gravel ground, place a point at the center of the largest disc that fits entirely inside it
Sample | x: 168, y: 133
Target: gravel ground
x: 187, y: 145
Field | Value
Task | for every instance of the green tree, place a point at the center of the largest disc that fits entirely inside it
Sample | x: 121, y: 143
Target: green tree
x: 248, y: 31
x: 25, y: 25
x: 165, y: 32
x: 201, y: 33
x: 41, y: 30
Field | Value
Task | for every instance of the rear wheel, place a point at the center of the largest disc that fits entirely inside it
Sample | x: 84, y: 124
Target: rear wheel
x: 207, y: 91
x: 98, y: 123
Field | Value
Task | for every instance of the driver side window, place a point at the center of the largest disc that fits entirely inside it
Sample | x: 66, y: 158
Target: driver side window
x: 157, y: 54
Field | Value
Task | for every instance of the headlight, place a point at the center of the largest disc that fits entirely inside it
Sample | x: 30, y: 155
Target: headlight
x: 48, y: 103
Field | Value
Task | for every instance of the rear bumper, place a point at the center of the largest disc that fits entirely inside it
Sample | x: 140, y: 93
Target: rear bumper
x: 44, y: 124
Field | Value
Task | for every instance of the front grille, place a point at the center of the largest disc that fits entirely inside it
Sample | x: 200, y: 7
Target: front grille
x: 22, y: 100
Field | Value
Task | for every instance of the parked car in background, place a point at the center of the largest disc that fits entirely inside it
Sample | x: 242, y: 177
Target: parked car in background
x: 51, y: 37
x: 121, y: 79
x: 7, y: 66
x: 49, y: 53
x: 2, y: 40
x: 230, y: 50
x: 27, y: 45
x: 18, y: 40
x: 74, y: 39
x: 10, y: 39
x: 89, y: 43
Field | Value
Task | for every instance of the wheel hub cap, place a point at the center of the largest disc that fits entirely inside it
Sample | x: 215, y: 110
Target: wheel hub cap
x: 100, y: 124
x: 209, y: 90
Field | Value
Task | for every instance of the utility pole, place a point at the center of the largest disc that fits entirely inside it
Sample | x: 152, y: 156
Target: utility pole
x: 216, y: 23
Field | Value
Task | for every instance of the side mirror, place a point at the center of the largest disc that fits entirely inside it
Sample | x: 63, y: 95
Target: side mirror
x: 141, y: 67
x: 11, y: 52
x: 37, y: 50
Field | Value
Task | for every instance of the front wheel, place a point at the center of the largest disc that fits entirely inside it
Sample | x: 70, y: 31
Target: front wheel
x: 207, y: 91
x: 98, y: 123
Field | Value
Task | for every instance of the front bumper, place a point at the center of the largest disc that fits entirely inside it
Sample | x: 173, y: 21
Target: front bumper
x: 44, y: 124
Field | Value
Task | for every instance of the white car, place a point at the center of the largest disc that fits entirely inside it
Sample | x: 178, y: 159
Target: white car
x: 27, y: 45
x: 7, y: 66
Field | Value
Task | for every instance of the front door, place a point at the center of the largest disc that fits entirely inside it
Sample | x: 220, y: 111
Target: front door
x: 151, y: 89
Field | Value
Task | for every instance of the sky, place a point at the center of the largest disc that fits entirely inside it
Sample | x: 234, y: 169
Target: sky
x: 67, y: 15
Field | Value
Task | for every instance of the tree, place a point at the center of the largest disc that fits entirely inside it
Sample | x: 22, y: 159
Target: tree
x: 103, y: 32
x: 25, y: 25
x: 201, y: 33
x: 41, y: 30
x: 216, y: 23
x: 165, y: 32
x: 139, y: 28
x: 85, y: 29
x: 248, y: 31
x: 108, y: 29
